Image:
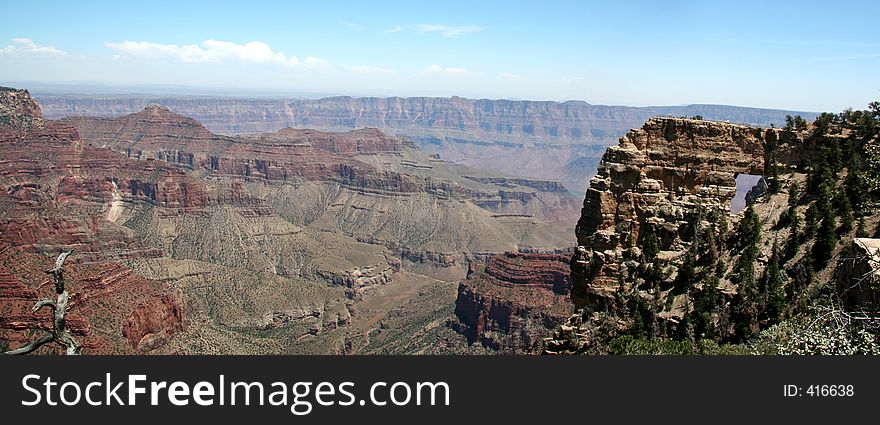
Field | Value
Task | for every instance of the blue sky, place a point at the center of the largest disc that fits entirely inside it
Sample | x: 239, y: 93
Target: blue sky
x: 797, y: 55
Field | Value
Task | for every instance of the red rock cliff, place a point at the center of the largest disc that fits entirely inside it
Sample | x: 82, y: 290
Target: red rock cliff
x: 514, y: 300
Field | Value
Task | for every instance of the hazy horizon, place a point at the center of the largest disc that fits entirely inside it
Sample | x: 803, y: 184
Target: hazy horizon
x: 98, y: 89
x: 772, y: 56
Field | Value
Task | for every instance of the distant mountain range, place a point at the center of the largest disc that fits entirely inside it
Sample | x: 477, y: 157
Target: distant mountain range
x: 560, y: 141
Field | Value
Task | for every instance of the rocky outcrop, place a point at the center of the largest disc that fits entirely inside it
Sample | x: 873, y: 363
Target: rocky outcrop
x: 858, y: 275
x: 362, y: 277
x: 541, y: 185
x: 153, y: 322
x: 661, y: 179
x: 53, y: 185
x: 514, y: 300
x: 362, y: 141
x: 142, y: 134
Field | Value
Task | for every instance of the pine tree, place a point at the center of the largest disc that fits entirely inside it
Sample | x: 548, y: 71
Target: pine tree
x: 861, y: 232
x: 687, y: 273
x: 748, y: 231
x: 844, y: 209
x: 773, y: 183
x: 706, y: 302
x: 835, y: 157
x: 812, y: 221
x: 710, y: 252
x: 803, y: 277
x: 745, y: 309
x: 772, y: 285
x: 856, y: 185
x: 826, y: 236
x: 820, y: 174
x: 794, y: 238
x: 794, y: 195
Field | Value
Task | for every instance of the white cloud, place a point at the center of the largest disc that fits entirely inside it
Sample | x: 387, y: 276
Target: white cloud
x: 371, y: 70
x: 510, y: 76
x: 439, y: 70
x: 352, y: 25
x: 26, y: 46
x: 309, y: 62
x: 215, y: 51
x: 444, y: 30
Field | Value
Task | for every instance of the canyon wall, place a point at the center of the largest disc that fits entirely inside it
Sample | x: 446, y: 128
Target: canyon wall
x: 513, y: 300
x: 293, y: 241
x: 535, y: 139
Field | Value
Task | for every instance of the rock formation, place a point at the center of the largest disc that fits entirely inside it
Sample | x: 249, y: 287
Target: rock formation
x: 533, y: 139
x: 514, y: 300
x: 663, y: 265
x: 154, y: 321
x: 858, y: 276
x: 662, y: 179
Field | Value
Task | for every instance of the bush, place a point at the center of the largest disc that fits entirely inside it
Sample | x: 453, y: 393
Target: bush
x: 818, y: 336
x: 629, y: 345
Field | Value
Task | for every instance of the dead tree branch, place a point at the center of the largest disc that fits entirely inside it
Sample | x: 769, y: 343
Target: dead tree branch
x: 59, y: 333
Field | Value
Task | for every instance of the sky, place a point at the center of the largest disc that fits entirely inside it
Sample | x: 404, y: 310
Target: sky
x: 803, y: 55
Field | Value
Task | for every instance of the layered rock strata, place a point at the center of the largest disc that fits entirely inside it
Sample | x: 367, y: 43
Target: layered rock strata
x: 661, y: 179
x: 514, y: 300
x: 533, y: 139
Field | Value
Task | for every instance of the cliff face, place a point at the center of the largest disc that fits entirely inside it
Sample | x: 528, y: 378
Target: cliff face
x: 103, y: 295
x: 282, y: 156
x: 533, y: 139
x: 55, y: 183
x: 663, y: 265
x: 859, y: 274
x: 52, y: 190
x: 367, y: 163
x: 661, y: 179
x: 513, y: 301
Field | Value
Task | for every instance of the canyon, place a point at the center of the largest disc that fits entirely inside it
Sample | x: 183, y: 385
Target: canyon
x: 545, y: 140
x: 365, y: 225
x: 291, y: 241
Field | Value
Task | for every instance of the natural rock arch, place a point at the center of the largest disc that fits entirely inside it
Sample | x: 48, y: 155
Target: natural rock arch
x: 659, y: 177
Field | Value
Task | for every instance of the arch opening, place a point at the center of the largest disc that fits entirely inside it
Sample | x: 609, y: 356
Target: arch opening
x: 744, y: 184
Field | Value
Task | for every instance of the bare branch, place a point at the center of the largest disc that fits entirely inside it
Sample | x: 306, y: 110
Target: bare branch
x: 58, y: 272
x: 39, y: 342
x: 43, y: 303
x: 59, y: 333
